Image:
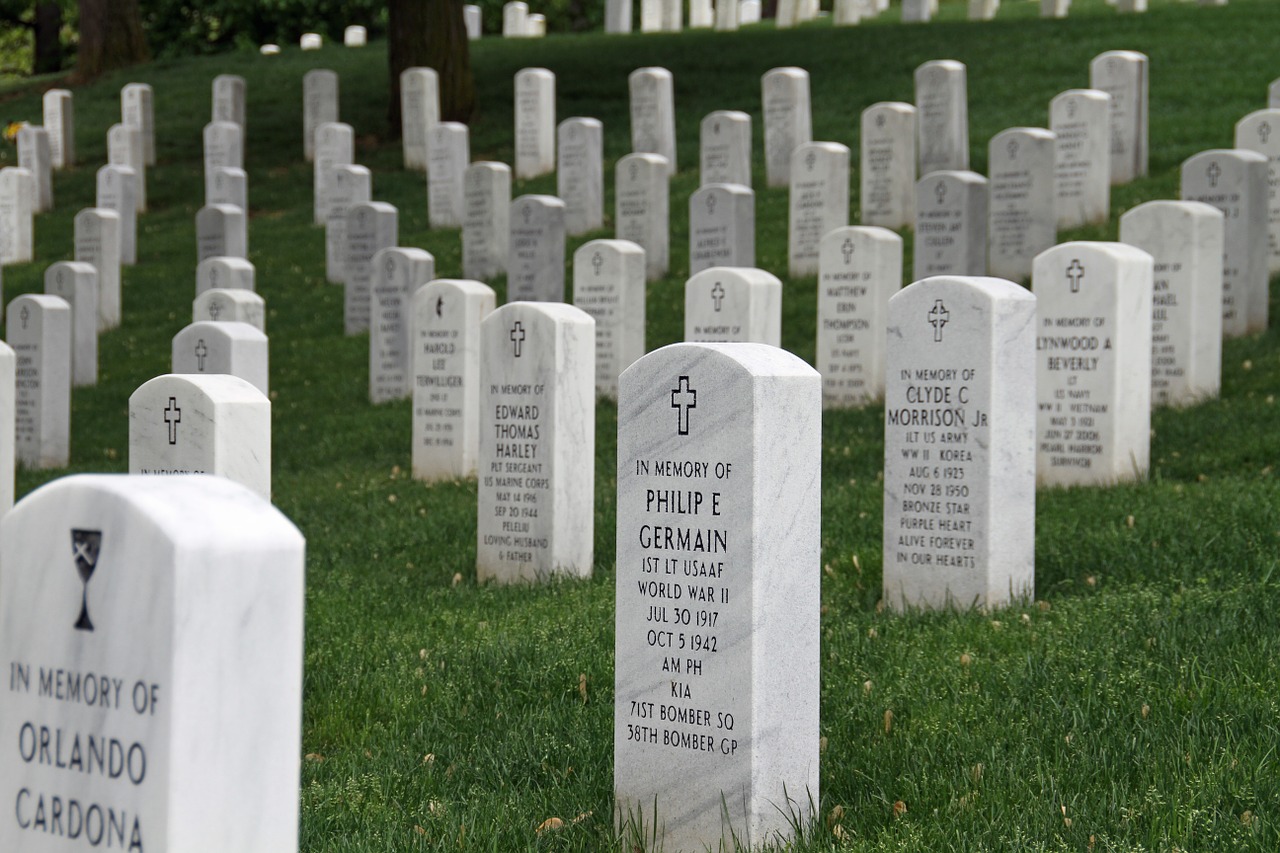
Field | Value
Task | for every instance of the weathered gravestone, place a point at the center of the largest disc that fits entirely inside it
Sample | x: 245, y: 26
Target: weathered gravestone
x: 222, y: 347
x: 536, y: 512
x: 617, y: 16
x: 116, y: 191
x: 580, y: 174
x: 444, y: 341
x: 34, y: 156
x: 642, y: 199
x: 17, y: 212
x: 8, y: 399
x: 1081, y: 122
x: 1260, y: 132
x: 535, y: 262
x: 189, y: 424
x: 486, y: 226
x: 97, y: 242
x: 153, y: 629
x: 608, y: 284
x: 225, y: 273
x: 334, y: 146
x: 959, y: 445
x: 39, y: 330
x: 223, y: 149
x: 859, y: 269
x: 398, y: 272
x: 1184, y: 238
x: 229, y: 99
x: 515, y: 19
x: 355, y: 36
x: 371, y: 226
x: 719, y: 479
x: 319, y: 106
x: 1093, y: 364
x: 230, y: 187
x: 724, y: 151
x: 450, y: 151
x: 733, y: 305
x: 137, y: 110
x: 535, y: 119
x: 1235, y: 182
x: 347, y: 186
x: 230, y: 305
x: 222, y: 231
x: 819, y: 201
x: 1123, y: 74
x: 59, y: 118
x: 653, y: 118
x: 76, y: 282
x: 124, y: 148
x: 419, y: 113
x: 951, y: 225
x: 888, y: 174
x: 1021, y: 219
x: 722, y: 227
x: 942, y: 116
x: 784, y: 97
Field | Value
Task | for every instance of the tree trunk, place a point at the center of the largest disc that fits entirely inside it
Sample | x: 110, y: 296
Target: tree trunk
x: 110, y: 37
x: 48, y: 29
x: 431, y: 34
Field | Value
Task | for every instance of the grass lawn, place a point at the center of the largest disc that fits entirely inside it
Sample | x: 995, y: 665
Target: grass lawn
x: 1133, y: 706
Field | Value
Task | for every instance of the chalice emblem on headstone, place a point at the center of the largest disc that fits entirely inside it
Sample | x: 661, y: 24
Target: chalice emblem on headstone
x: 86, y: 545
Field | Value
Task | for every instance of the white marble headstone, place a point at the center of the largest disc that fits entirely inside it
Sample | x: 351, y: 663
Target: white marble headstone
x: 1081, y: 122
x: 450, y: 152
x: 535, y: 122
x: 580, y: 174
x: 334, y: 146
x: 942, y: 116
x: 642, y: 199
x: 1021, y: 220
x: 444, y: 341
x: 8, y: 392
x: 473, y: 20
x: 535, y: 262
x: 727, y: 17
x: 225, y: 273
x: 355, y: 36
x: 951, y: 225
x: 716, y: 680
x: 651, y: 16
x: 347, y: 185
x: 97, y: 242
x: 784, y: 98
x: 116, y: 191
x: 486, y: 226
x: 749, y: 12
x: 59, y: 118
x: 1260, y: 131
x: 371, y: 226
x: 124, y: 148
x: 1235, y: 182
x: 419, y: 113
x: 819, y: 201
x: 1054, y: 8
x: 17, y: 212
x: 311, y: 41
x: 222, y: 347
x: 733, y: 305
x: 959, y: 445
x: 35, y: 156
x: 608, y: 284
x: 1124, y: 75
x: 222, y: 231
x: 183, y: 423
x: 1184, y: 238
x: 76, y: 282
x: 398, y: 272
x: 515, y: 19
x: 231, y: 187
x: 223, y: 148
x: 653, y: 119
x: 1093, y: 364
x: 230, y: 305
x: 229, y: 99
x: 917, y: 12
x: 722, y: 227
x: 888, y: 172
x: 859, y: 269
x: 536, y: 507
x: 724, y: 152
x: 137, y: 109
x: 319, y: 106
x: 171, y: 609
x: 39, y: 330
x: 983, y: 10
x: 617, y: 16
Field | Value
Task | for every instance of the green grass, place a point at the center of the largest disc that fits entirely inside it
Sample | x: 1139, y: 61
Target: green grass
x: 1134, y: 707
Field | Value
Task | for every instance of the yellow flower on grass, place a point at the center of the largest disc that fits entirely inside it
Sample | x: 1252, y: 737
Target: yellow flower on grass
x: 11, y: 130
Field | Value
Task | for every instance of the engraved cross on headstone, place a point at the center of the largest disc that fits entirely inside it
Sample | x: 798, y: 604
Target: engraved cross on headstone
x: 938, y: 316
x: 683, y: 398
x: 24, y: 315
x: 439, y: 306
x: 517, y: 336
x: 846, y: 248
x: 201, y: 352
x: 717, y: 295
x: 1012, y: 148
x: 173, y: 417
x: 711, y: 204
x: 215, y: 308
x: 941, y: 191
x: 1075, y: 273
x: 597, y: 261
x: 809, y: 160
x: 1213, y: 172
x: 1264, y: 131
